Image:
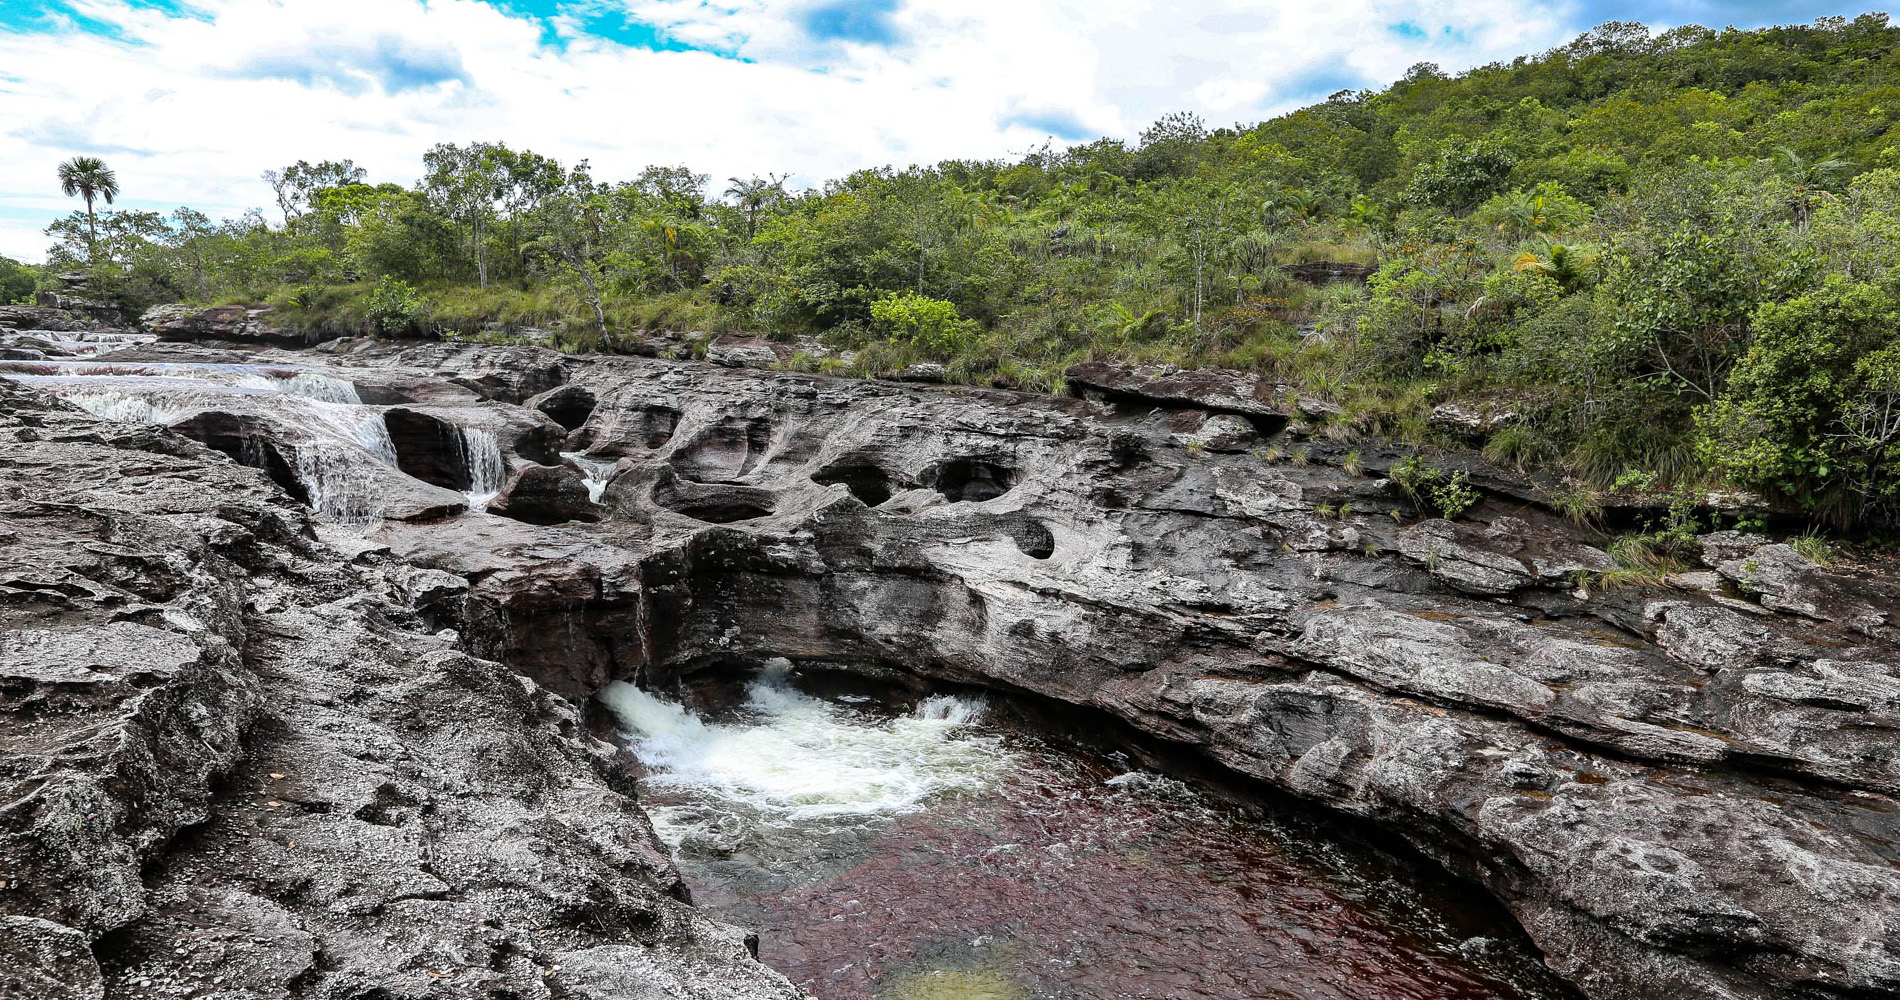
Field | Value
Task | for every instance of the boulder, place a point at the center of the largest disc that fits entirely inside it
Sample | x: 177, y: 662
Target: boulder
x: 244, y: 324
x: 1216, y: 390
x: 738, y: 351
x: 545, y: 494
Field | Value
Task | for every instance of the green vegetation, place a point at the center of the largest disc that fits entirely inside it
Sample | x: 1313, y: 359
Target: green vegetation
x: 1677, y: 254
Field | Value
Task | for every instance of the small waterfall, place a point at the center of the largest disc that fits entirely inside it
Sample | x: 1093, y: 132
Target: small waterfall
x: 124, y: 407
x: 801, y: 760
x: 309, y: 385
x: 595, y: 472
x: 481, y: 456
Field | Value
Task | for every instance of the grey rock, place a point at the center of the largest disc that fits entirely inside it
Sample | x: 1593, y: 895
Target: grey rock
x: 47, y: 961
x: 1677, y: 798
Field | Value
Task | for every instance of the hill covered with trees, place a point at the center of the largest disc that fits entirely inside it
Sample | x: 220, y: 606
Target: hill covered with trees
x: 1673, y: 260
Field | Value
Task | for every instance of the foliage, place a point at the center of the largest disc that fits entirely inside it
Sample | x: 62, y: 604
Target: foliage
x: 17, y: 282
x: 1623, y: 239
x: 1432, y: 488
x: 931, y: 327
x: 393, y: 307
x: 1812, y: 411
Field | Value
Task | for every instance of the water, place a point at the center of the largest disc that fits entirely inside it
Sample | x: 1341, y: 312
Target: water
x: 596, y: 473
x: 937, y: 855
x: 480, y: 454
x: 339, y: 451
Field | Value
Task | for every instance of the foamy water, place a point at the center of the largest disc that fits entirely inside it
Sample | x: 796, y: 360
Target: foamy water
x: 794, y: 759
x: 595, y: 473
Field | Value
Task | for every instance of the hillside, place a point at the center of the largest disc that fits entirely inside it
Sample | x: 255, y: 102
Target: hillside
x: 1653, y: 265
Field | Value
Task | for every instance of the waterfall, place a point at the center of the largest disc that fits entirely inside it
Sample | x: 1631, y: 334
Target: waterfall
x: 595, y: 472
x: 481, y: 456
x: 124, y: 407
x: 797, y: 759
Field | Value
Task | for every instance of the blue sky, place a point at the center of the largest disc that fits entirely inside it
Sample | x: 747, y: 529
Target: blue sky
x: 189, y: 100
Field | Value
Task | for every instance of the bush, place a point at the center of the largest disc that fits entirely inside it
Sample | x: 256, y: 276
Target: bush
x: 1812, y: 410
x: 929, y: 326
x: 16, y: 282
x: 394, y: 308
x: 1433, y: 489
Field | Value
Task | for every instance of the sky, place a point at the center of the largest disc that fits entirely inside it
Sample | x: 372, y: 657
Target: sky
x: 189, y: 101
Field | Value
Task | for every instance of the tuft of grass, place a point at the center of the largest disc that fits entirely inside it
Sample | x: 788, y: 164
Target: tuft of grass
x: 1812, y: 547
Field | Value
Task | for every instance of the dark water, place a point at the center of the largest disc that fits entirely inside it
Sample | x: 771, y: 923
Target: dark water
x: 986, y: 863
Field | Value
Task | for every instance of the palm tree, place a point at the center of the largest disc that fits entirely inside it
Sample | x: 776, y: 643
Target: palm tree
x: 1572, y: 266
x: 89, y: 178
x: 753, y: 195
x: 1807, y: 176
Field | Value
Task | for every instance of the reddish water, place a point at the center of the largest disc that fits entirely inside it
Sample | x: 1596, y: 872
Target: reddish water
x: 1073, y: 878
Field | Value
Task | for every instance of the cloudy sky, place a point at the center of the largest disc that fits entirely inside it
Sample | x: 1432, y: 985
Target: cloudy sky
x: 189, y: 100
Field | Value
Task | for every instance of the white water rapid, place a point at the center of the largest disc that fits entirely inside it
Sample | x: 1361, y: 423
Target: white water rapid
x: 794, y: 761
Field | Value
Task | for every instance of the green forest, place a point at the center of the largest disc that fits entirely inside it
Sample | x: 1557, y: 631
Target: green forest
x: 1673, y: 258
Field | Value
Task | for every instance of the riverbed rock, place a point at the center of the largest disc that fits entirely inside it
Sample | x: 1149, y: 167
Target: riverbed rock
x: 241, y: 760
x: 242, y: 324
x: 1217, y: 390
x: 1683, y: 792
x: 545, y: 494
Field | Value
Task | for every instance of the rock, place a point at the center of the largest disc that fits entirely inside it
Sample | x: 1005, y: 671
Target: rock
x: 736, y: 351
x: 1784, y: 580
x: 47, y: 961
x: 1676, y: 797
x: 923, y: 371
x: 1216, y: 390
x: 1219, y: 432
x: 1472, y: 419
x: 1719, y: 547
x: 545, y: 494
x: 1500, y: 559
x: 367, y: 802
x: 41, y: 318
x: 244, y: 324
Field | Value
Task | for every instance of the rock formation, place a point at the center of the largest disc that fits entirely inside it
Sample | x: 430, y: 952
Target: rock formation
x: 303, y: 756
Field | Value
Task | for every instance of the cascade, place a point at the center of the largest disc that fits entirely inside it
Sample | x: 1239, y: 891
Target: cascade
x: 596, y: 473
x: 481, y: 456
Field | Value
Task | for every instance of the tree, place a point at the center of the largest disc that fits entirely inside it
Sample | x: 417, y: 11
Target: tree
x: 753, y: 196
x: 572, y: 229
x: 1462, y: 177
x: 297, y: 185
x: 88, y: 177
x: 466, y: 182
x: 1812, y: 411
x: 16, y: 281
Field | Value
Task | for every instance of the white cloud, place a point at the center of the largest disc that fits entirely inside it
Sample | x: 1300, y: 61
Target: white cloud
x: 189, y: 110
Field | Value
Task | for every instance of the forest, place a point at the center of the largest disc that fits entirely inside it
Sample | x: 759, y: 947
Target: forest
x: 1670, y: 261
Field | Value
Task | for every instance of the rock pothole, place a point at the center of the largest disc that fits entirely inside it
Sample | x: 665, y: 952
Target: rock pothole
x: 971, y: 479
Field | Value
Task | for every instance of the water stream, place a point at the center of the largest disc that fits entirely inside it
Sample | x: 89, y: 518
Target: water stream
x: 596, y: 473
x: 937, y: 855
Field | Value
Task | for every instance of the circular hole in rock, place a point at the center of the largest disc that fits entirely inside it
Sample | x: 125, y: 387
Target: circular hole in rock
x: 971, y: 479
x: 569, y: 406
x: 1033, y: 539
x: 870, y: 484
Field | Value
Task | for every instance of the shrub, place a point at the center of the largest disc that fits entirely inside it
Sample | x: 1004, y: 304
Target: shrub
x: 929, y: 326
x: 1432, y: 488
x: 392, y: 307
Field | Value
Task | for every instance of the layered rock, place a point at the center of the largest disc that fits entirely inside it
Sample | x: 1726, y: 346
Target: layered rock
x: 246, y: 760
x: 1680, y: 793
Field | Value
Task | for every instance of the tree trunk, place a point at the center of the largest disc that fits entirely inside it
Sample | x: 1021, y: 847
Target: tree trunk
x: 92, y: 235
x: 481, y: 254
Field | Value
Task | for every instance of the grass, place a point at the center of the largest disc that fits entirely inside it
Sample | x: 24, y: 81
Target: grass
x: 1814, y: 548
